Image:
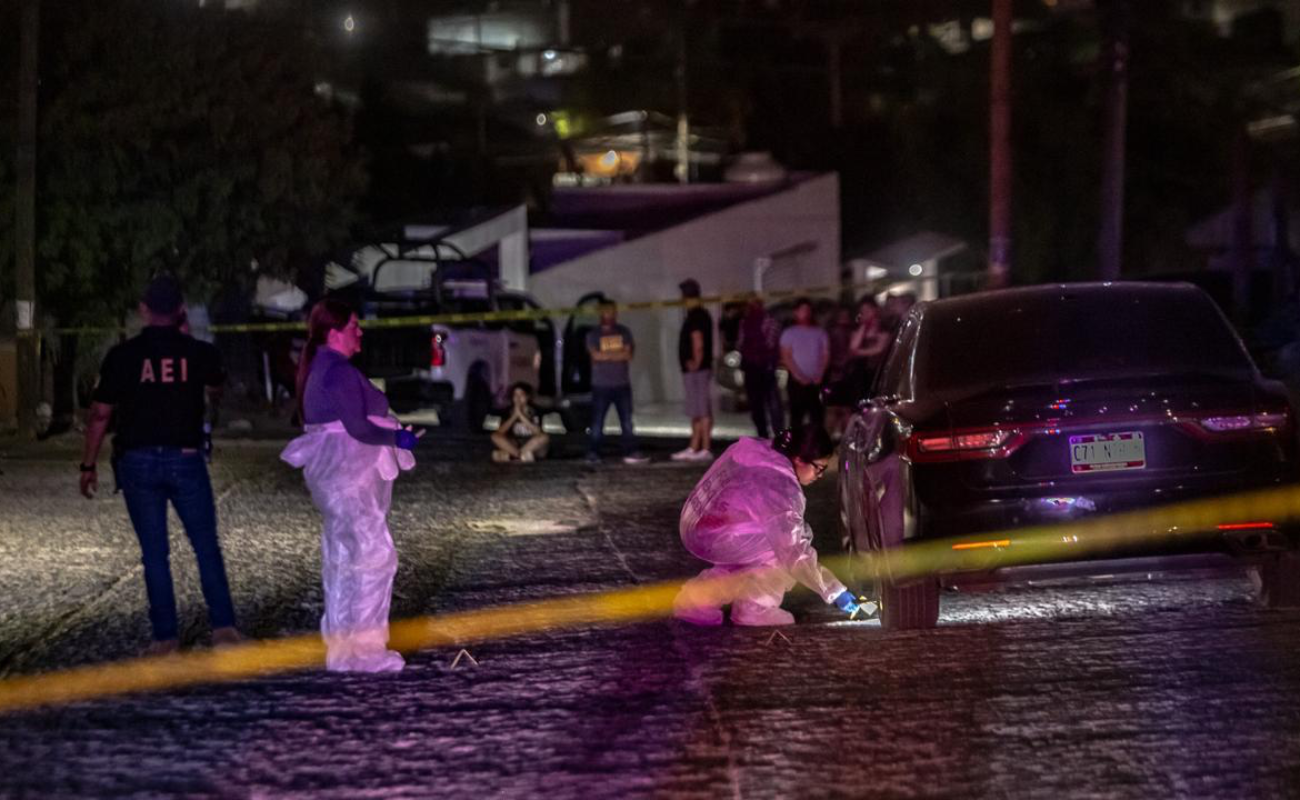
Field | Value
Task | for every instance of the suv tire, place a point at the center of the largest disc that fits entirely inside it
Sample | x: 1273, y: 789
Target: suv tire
x: 1279, y: 579
x: 914, y: 606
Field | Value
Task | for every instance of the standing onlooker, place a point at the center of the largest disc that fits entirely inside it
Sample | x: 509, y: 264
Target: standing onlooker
x: 838, y: 395
x: 866, y: 348
x: 759, y: 343
x: 520, y: 437
x: 805, y: 352
x: 895, y: 310
x: 156, y: 384
x: 350, y: 453
x: 694, y: 351
x: 611, y: 347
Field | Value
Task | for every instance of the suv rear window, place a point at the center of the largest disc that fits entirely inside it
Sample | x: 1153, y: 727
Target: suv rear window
x: 1024, y: 338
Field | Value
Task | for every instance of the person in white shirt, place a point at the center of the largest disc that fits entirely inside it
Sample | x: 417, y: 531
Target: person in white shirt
x: 805, y: 353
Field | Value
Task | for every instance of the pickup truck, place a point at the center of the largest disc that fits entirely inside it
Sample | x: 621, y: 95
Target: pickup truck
x: 463, y: 370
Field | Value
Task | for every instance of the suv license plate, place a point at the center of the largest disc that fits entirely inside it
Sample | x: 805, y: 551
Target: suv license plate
x: 1107, y: 452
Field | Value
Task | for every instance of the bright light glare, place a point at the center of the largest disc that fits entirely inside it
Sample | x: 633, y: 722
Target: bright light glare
x: 541, y: 119
x: 349, y: 24
x: 915, y: 270
x: 549, y: 55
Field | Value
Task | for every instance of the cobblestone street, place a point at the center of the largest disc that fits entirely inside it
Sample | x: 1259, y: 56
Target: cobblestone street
x: 1167, y: 686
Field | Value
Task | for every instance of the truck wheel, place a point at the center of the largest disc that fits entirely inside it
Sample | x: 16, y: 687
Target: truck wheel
x: 914, y: 606
x: 477, y: 403
x: 574, y: 420
x: 1279, y: 579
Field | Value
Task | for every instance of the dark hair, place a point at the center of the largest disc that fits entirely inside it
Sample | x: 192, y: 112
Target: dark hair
x: 690, y: 287
x: 524, y: 386
x: 868, y: 300
x: 802, y: 301
x: 807, y: 443
x: 163, y: 295
x: 327, y: 315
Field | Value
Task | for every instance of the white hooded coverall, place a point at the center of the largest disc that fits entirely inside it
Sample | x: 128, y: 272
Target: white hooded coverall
x: 746, y: 516
x: 352, y: 484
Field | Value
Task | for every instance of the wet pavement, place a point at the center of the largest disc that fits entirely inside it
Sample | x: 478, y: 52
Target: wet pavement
x: 1167, y: 686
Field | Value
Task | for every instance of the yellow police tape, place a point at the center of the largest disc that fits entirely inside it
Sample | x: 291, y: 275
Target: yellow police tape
x: 1067, y: 542
x: 518, y: 315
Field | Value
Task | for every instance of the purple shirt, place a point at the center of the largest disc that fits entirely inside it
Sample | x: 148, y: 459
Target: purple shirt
x: 337, y: 391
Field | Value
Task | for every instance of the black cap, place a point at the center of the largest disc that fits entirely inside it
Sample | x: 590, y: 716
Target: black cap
x: 690, y: 287
x: 163, y: 295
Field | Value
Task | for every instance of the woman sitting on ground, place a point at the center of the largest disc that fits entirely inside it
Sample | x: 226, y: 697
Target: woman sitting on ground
x: 519, y: 437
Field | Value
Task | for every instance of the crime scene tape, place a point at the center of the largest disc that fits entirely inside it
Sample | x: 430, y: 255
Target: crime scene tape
x: 517, y: 315
x: 256, y: 659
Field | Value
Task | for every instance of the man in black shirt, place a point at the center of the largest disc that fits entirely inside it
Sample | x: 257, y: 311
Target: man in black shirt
x: 156, y: 385
x: 695, y: 353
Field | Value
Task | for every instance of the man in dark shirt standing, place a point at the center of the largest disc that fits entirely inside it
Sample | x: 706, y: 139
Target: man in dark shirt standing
x: 156, y: 385
x: 611, y: 346
x: 695, y: 354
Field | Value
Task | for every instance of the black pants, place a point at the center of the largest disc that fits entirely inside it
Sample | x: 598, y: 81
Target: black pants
x: 805, y: 401
x: 764, y: 399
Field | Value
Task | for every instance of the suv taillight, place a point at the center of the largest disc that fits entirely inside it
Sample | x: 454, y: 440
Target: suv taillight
x: 970, y: 444
x: 437, y: 351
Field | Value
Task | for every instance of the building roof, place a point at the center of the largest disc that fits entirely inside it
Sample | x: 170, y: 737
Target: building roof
x: 915, y: 249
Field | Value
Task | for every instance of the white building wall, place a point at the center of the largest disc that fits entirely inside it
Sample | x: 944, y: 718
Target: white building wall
x: 719, y: 251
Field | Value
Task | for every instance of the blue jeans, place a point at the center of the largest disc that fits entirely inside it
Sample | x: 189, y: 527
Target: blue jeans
x: 602, y: 397
x: 149, y: 477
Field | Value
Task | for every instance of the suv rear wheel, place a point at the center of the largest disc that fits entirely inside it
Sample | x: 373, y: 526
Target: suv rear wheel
x: 1279, y: 579
x: 914, y: 606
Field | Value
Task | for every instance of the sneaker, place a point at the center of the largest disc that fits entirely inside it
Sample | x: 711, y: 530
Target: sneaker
x: 592, y: 458
x: 701, y: 455
x: 683, y: 455
x: 751, y: 614
x: 636, y: 458
x: 162, y: 647
x: 226, y: 636
x: 526, y: 457
x: 698, y: 615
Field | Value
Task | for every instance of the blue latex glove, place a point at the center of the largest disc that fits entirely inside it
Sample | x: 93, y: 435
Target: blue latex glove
x: 847, y: 602
x: 406, y: 439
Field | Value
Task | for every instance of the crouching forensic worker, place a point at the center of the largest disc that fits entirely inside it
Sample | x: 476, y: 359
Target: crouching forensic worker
x: 350, y: 453
x: 746, y: 517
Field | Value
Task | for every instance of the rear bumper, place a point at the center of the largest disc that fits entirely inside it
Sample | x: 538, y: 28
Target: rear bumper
x: 1078, y: 505
x: 1100, y: 570
x: 1130, y: 544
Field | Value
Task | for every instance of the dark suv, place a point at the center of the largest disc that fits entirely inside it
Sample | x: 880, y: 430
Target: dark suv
x: 1050, y: 404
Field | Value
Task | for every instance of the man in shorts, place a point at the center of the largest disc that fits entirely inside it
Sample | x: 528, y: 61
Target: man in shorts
x: 694, y: 353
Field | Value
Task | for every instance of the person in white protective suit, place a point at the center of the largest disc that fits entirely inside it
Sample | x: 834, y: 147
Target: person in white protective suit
x: 746, y: 517
x: 350, y: 453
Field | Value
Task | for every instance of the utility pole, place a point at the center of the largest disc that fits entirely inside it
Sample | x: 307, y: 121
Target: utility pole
x: 1242, y: 245
x: 25, y: 221
x: 683, y: 168
x: 1110, y: 240
x: 999, y: 274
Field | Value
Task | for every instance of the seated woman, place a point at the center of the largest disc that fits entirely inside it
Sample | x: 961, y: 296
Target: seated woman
x: 519, y: 437
x: 746, y: 517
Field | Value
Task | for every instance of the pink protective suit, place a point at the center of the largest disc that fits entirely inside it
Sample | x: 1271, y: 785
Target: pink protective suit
x: 746, y: 516
x: 352, y: 484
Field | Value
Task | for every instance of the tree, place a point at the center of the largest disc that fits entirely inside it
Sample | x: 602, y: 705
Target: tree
x: 184, y: 139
